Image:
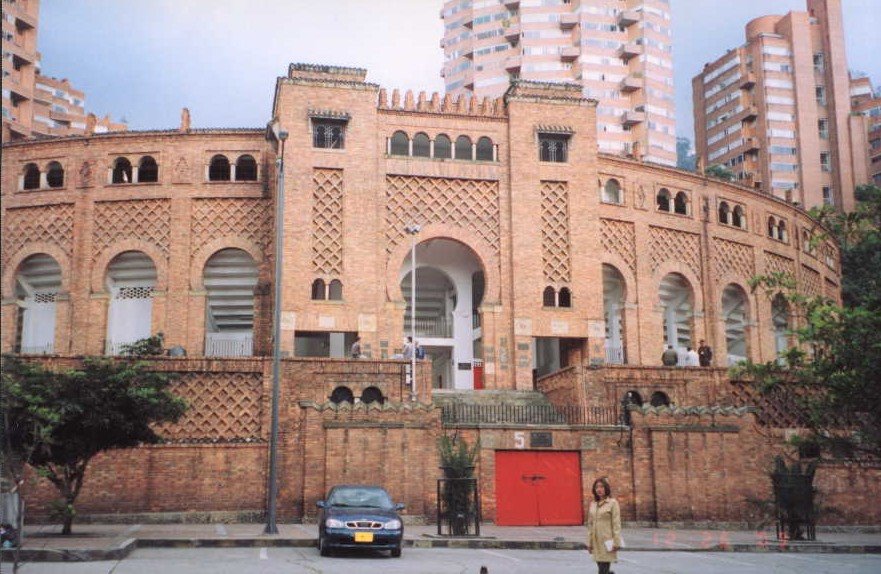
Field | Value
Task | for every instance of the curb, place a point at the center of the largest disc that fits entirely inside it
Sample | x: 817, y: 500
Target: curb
x: 125, y: 548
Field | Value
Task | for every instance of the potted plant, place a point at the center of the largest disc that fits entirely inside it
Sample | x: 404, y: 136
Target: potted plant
x: 458, y: 459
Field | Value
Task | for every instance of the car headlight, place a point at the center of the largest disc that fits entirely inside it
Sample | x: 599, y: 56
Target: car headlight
x: 334, y: 523
x: 394, y: 524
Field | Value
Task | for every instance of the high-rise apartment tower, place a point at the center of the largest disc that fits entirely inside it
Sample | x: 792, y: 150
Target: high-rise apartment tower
x: 619, y: 51
x: 777, y: 110
x: 20, y: 65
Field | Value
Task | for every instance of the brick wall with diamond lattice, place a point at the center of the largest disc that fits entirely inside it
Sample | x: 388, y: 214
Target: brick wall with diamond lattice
x: 732, y: 257
x: 327, y: 221
x: 555, y: 231
x: 669, y: 244
x: 47, y: 224
x: 618, y: 238
x: 811, y: 282
x: 471, y: 204
x: 221, y: 407
x: 147, y: 220
x: 776, y: 264
x: 250, y: 219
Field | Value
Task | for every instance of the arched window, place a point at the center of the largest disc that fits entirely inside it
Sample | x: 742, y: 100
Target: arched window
x: 677, y: 305
x: 218, y: 169
x: 230, y: 278
x: 724, y: 213
x: 612, y: 191
x: 131, y: 278
x: 31, y: 177
x: 421, y: 145
x: 335, y: 290
x: 772, y: 228
x: 549, y: 297
x: 37, y: 284
x: 659, y: 399
x: 318, y: 291
x: 55, y: 174
x: 565, y: 297
x: 443, y: 147
x: 484, y: 149
x: 399, y: 144
x: 372, y: 395
x: 122, y: 171
x: 342, y: 395
x: 663, y: 200
x: 613, y: 313
x: 680, y: 204
x: 782, y: 234
x: 738, y: 219
x: 246, y: 168
x: 780, y: 323
x: 148, y: 170
x: 735, y: 315
x: 463, y: 148
x: 633, y: 398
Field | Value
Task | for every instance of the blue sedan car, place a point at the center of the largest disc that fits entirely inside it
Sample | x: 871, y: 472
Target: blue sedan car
x: 355, y: 516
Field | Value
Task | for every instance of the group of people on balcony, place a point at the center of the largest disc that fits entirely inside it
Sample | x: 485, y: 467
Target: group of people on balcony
x: 702, y: 357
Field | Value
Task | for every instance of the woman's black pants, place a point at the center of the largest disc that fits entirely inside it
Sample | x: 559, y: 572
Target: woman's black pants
x: 604, y: 567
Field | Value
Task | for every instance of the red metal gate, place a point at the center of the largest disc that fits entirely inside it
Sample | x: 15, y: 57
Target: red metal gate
x: 538, y: 488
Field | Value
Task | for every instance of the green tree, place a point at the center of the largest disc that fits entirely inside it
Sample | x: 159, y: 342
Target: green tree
x: 838, y: 359
x: 720, y: 172
x: 57, y: 421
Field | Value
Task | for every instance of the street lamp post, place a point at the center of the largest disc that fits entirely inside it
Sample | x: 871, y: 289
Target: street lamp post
x: 271, y: 526
x: 413, y: 230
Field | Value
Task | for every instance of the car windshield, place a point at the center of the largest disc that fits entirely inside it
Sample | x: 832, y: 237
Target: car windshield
x: 360, y: 497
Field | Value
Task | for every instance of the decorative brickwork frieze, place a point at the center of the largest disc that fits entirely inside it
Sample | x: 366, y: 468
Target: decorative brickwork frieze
x: 472, y: 204
x: 327, y: 221
x: 832, y: 291
x: 777, y: 264
x: 811, y: 282
x: 46, y: 224
x: 555, y: 231
x: 148, y: 220
x: 250, y: 219
x: 618, y: 238
x: 733, y: 258
x: 669, y: 244
x: 221, y: 407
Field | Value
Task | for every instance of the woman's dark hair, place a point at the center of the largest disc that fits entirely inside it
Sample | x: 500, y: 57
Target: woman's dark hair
x: 605, y: 483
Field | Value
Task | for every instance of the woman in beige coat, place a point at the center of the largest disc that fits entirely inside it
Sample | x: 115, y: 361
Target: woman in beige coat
x: 603, y: 526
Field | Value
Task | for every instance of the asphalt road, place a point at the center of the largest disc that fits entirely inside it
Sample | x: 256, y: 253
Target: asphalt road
x: 442, y: 561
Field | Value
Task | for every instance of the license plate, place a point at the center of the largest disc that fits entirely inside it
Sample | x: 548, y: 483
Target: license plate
x: 363, y: 537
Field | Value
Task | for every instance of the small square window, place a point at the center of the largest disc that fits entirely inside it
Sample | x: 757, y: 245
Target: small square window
x: 328, y: 134
x: 553, y: 147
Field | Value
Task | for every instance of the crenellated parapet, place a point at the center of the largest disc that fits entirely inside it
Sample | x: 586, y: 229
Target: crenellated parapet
x: 460, y: 106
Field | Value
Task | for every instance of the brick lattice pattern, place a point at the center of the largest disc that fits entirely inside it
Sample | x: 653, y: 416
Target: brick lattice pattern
x: 327, y: 221
x: 667, y: 244
x: 222, y: 407
x: 555, y: 231
x: 470, y: 204
x: 732, y: 257
x: 618, y: 237
x: 38, y: 224
x: 777, y: 264
x: 148, y: 220
x: 811, y: 282
x: 250, y: 219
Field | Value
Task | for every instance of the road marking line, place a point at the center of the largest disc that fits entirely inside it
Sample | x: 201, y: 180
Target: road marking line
x: 220, y: 529
x: 264, y: 554
x: 500, y: 555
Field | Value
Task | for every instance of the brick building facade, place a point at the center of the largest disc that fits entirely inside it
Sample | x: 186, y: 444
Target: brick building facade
x: 541, y: 264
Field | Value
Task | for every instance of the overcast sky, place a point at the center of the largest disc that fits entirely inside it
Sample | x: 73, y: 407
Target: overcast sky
x: 146, y: 59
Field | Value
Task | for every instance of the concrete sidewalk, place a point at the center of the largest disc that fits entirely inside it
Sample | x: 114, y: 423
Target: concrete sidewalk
x: 115, y: 541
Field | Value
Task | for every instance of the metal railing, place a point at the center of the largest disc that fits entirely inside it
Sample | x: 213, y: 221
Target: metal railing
x: 530, y: 415
x: 432, y: 327
x: 218, y: 345
x: 614, y: 354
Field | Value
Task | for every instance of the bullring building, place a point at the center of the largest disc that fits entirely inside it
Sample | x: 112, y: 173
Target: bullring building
x: 541, y: 265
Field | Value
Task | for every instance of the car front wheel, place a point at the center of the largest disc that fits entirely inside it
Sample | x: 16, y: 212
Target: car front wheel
x: 396, y: 551
x: 322, y: 546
